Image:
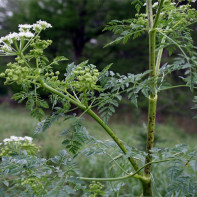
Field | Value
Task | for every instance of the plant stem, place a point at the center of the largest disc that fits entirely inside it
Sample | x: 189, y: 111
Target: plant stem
x: 147, y: 191
x: 158, y: 13
x: 113, y: 136
x: 171, y: 87
x: 135, y: 175
x: 95, y: 117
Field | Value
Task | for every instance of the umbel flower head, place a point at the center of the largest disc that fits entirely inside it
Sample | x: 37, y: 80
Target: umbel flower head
x: 18, y: 145
x: 9, y: 44
x: 15, y: 139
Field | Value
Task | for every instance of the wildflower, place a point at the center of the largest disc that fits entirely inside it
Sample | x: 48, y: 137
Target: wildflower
x: 30, y: 139
x: 21, y: 138
x: 44, y: 24
x: 25, y: 35
x: 6, y: 40
x: 14, y: 138
x: 41, y: 25
x: 6, y: 49
x: 24, y: 27
x: 6, y: 140
x: 13, y: 36
x: 155, y: 4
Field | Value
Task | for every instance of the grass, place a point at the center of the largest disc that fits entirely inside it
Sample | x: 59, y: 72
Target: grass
x: 18, y: 122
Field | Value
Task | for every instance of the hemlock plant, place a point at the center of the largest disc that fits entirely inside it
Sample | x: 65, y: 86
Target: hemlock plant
x: 168, y: 25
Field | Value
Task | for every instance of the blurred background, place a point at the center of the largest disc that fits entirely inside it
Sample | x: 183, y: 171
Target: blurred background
x: 77, y: 34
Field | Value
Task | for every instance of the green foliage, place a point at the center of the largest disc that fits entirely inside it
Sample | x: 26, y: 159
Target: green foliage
x: 181, y: 173
x: 130, y: 28
x: 85, y: 88
x: 75, y: 137
x: 138, y: 4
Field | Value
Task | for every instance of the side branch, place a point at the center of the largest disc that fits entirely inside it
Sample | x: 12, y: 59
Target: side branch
x: 158, y: 14
x: 95, y: 117
x: 134, y: 175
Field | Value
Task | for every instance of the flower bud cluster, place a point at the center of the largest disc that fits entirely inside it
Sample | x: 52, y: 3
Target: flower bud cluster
x: 96, y: 188
x: 14, y: 145
x: 86, y: 77
x: 52, y: 77
x: 35, y: 184
x: 38, y: 47
x: 16, y: 73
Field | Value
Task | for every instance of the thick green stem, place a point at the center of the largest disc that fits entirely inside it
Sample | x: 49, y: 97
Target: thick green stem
x: 152, y: 102
x: 151, y: 132
x: 113, y: 136
x: 95, y: 117
x: 147, y: 191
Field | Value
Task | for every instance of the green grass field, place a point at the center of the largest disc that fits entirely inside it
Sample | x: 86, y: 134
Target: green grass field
x: 18, y: 122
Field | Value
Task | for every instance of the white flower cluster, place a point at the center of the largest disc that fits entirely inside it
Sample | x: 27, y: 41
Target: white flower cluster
x: 38, y: 26
x: 8, y: 40
x: 41, y: 25
x: 17, y: 139
x: 24, y: 33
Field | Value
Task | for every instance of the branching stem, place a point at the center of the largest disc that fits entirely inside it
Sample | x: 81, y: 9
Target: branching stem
x: 95, y: 117
x: 134, y: 175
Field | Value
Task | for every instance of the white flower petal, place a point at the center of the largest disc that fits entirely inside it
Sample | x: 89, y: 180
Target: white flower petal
x: 155, y: 4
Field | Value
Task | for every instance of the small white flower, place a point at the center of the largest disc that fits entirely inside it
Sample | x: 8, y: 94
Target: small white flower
x: 24, y: 27
x: 44, y: 24
x: 37, y: 27
x: 173, y: 3
x: 6, y: 49
x: 144, y: 4
x: 25, y: 35
x: 13, y: 36
x: 193, y: 1
x: 6, y: 40
x: 41, y: 25
x: 30, y: 139
x: 155, y: 4
x: 6, y: 140
x: 21, y: 138
x: 14, y: 138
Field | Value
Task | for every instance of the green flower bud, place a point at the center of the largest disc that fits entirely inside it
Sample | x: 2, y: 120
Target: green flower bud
x: 2, y: 75
x: 87, y: 69
x: 78, y: 68
x: 82, y: 72
x: 57, y: 72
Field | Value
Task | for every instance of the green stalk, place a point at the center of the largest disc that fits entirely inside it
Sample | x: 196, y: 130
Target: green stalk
x: 95, y: 117
x: 147, y: 191
x: 135, y: 175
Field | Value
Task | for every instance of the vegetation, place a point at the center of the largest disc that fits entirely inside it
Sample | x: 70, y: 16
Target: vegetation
x: 85, y: 87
